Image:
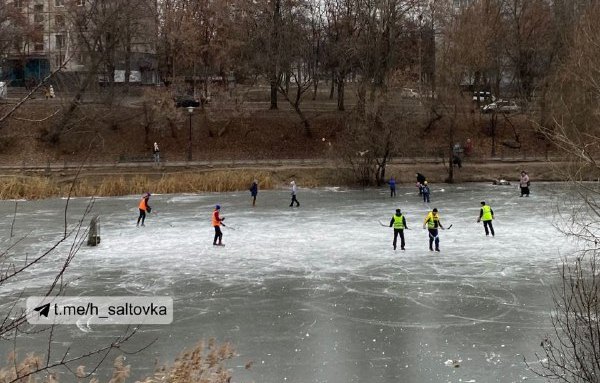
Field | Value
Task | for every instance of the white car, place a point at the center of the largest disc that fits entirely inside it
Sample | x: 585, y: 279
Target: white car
x: 501, y: 106
x: 409, y: 93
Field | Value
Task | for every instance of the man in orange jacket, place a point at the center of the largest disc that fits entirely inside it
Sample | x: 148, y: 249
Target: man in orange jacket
x: 216, y: 222
x: 144, y: 207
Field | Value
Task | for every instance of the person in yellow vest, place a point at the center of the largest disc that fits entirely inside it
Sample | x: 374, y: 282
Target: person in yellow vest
x: 432, y: 222
x: 216, y: 223
x: 144, y: 207
x: 399, y: 223
x: 486, y: 214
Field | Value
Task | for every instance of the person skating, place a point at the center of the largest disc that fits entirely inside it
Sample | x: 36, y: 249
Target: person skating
x: 216, y: 223
x: 425, y: 191
x: 254, y: 191
x: 524, y: 184
x: 432, y: 223
x: 144, y: 207
x: 399, y: 223
x: 294, y: 191
x: 420, y: 182
x: 392, y: 183
x: 486, y: 214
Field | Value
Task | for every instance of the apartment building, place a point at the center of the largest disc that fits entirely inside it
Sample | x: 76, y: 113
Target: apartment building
x: 50, y: 41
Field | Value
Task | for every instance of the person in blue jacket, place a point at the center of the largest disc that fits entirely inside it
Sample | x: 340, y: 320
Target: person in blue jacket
x: 392, y: 183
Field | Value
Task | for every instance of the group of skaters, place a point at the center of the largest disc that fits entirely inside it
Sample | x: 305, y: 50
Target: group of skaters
x: 432, y: 221
x: 216, y: 219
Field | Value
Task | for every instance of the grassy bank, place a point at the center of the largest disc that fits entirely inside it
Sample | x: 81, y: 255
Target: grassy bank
x: 118, y: 182
x: 39, y: 187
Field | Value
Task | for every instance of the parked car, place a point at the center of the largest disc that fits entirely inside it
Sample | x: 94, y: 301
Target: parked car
x: 409, y: 93
x: 186, y: 101
x: 501, y: 106
x: 483, y: 97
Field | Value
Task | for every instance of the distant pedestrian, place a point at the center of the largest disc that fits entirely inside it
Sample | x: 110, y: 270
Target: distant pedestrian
x: 468, y: 147
x: 294, y: 192
x: 425, y: 191
x: 399, y: 223
x: 51, y: 91
x: 432, y: 222
x: 420, y: 182
x: 47, y: 92
x: 524, y: 184
x: 216, y: 221
x: 392, y: 183
x: 144, y: 208
x: 254, y: 191
x: 156, y: 153
x: 486, y: 214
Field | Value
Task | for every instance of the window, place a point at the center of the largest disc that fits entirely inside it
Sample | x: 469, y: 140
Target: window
x: 38, y: 38
x: 80, y: 2
x: 38, y: 13
x: 19, y: 3
x: 60, y: 42
x: 59, y: 3
x: 59, y: 21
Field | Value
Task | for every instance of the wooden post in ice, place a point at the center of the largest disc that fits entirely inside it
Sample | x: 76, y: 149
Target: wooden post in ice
x: 94, y: 232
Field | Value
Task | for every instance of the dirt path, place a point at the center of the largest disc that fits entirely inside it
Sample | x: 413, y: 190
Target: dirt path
x: 320, y: 170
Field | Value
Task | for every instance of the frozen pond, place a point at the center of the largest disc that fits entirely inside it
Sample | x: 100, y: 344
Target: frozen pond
x: 316, y: 293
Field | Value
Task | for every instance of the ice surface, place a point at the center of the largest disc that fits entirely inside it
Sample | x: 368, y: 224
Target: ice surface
x: 316, y: 293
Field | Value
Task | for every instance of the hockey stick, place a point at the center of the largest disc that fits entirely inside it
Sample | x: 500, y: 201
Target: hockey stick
x: 229, y: 227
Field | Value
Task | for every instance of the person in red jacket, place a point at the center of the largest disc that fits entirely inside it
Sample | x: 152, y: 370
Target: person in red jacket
x: 216, y: 222
x: 144, y: 207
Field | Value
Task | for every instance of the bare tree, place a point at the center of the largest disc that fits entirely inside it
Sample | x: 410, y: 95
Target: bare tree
x: 371, y: 138
x: 572, y: 353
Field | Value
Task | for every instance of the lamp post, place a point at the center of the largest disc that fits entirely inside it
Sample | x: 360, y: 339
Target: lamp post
x: 191, y: 111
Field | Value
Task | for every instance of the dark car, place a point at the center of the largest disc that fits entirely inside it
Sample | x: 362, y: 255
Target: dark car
x: 186, y: 101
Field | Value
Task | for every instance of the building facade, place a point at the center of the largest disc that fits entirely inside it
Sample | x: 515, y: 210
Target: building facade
x: 51, y: 40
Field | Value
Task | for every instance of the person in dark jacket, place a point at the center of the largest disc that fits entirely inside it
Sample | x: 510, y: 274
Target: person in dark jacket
x: 425, y: 191
x: 254, y: 191
x: 420, y: 182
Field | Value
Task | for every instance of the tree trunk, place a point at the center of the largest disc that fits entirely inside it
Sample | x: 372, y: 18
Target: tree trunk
x: 53, y: 135
x: 273, y: 94
x: 340, y: 90
x: 127, y: 59
x: 332, y: 89
x: 274, y: 53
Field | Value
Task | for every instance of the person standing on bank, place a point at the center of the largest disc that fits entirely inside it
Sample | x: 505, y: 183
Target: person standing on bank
x: 254, y: 191
x: 216, y: 223
x: 294, y: 191
x: 392, y: 183
x: 486, y: 214
x: 399, y: 223
x: 144, y: 207
x: 156, y: 153
x: 432, y: 222
x: 524, y: 184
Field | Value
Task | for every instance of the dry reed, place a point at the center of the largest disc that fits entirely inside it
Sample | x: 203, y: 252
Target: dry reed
x: 205, y: 363
x: 211, y: 181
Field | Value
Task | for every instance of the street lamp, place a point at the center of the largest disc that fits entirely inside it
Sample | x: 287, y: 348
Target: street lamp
x: 191, y: 111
